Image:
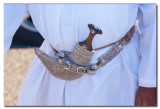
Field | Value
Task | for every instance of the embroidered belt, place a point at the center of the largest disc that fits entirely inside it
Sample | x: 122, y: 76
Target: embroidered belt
x: 70, y: 66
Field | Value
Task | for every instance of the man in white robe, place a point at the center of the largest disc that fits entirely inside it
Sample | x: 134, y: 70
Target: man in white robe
x: 63, y: 25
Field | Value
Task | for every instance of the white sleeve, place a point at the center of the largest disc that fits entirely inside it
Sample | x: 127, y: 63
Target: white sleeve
x: 147, y: 24
x: 13, y: 17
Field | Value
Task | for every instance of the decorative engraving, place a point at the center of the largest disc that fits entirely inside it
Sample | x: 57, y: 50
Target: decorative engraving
x: 81, y: 56
x: 74, y: 66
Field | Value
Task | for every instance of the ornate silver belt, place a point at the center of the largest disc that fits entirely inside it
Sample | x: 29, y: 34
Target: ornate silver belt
x: 73, y: 66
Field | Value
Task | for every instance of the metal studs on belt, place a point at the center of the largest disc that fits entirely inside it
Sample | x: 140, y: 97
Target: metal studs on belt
x: 120, y: 46
x: 60, y: 61
x: 61, y: 54
x: 91, y: 72
x: 103, y: 61
x: 94, y: 66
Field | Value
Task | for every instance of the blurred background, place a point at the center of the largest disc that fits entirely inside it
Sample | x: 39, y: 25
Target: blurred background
x: 18, y: 59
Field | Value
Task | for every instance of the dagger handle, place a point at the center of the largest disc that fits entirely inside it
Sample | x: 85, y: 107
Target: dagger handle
x: 87, y: 44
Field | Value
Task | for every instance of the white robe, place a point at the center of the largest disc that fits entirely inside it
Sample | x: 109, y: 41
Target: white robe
x: 63, y: 25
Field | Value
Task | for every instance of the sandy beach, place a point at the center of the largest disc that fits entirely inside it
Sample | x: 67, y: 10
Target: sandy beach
x: 16, y: 66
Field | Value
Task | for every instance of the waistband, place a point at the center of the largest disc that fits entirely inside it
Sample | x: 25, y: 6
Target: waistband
x: 123, y: 40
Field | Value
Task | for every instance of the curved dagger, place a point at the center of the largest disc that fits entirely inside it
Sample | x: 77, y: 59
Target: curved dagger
x: 57, y: 69
x: 54, y: 66
x: 87, y: 44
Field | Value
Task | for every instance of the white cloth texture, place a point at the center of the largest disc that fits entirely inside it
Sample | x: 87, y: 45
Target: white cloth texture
x: 63, y: 25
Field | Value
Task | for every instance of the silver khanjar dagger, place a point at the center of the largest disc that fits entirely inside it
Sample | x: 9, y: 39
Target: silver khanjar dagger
x: 68, y: 68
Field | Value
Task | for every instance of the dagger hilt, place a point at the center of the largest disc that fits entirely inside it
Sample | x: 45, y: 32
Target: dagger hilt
x: 87, y: 44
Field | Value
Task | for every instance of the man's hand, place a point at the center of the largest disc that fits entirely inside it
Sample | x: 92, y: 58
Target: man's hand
x: 146, y: 96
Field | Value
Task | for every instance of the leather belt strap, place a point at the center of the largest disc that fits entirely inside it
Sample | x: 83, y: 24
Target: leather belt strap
x: 127, y: 36
x: 78, y: 63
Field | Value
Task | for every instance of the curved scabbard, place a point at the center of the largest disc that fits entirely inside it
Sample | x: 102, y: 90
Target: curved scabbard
x: 57, y: 69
